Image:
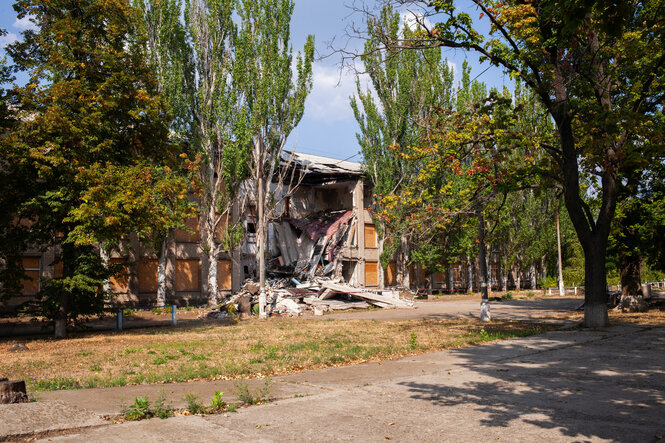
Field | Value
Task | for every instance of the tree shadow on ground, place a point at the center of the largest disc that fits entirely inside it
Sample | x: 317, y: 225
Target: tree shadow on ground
x: 612, y: 387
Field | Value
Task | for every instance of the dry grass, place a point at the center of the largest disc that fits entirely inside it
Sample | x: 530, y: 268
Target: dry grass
x: 653, y: 317
x: 247, y: 349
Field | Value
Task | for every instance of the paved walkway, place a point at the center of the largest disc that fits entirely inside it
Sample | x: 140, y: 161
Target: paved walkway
x: 561, y: 386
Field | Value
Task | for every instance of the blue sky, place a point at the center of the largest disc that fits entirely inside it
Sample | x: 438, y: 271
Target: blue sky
x: 328, y: 127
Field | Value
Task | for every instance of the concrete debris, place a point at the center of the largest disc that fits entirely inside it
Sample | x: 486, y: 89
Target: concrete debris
x: 287, y: 306
x: 290, y: 297
x: 215, y: 314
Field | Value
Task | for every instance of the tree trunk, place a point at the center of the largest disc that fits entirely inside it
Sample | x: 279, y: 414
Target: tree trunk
x: 595, y: 286
x: 403, y: 279
x: 261, y: 241
x: 469, y: 276
x: 380, y: 271
x: 213, y: 299
x: 104, y: 255
x: 161, y: 275
x: 592, y: 233
x: 559, y: 261
x: 518, y: 280
x: 12, y: 391
x: 482, y: 259
x: 632, y: 298
x: 61, y: 317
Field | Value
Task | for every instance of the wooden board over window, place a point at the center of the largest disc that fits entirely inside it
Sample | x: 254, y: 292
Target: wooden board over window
x: 184, y: 236
x: 440, y: 277
x: 120, y: 282
x: 224, y: 275
x: 187, y: 276
x: 370, y: 236
x: 371, y: 273
x: 148, y: 275
x: 32, y: 271
x: 390, y: 277
x: 417, y: 272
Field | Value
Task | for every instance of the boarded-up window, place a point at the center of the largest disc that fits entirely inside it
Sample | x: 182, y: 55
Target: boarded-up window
x: 494, y: 273
x: 371, y: 273
x: 390, y: 277
x: 120, y: 282
x: 187, y: 276
x: 148, y: 275
x: 440, y: 277
x: 370, y: 236
x: 224, y: 275
x: 58, y: 269
x: 32, y: 271
x: 458, y: 274
x: 191, y: 235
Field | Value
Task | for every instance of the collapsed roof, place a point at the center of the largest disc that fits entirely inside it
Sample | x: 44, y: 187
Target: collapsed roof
x: 320, y: 170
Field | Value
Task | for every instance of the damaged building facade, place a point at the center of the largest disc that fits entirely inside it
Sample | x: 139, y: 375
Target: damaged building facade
x: 321, y: 228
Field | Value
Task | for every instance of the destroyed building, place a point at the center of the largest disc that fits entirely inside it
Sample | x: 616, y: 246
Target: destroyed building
x: 320, y: 233
x: 322, y: 229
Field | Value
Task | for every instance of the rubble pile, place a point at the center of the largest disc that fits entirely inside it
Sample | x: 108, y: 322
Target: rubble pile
x: 289, y: 297
x: 304, y: 271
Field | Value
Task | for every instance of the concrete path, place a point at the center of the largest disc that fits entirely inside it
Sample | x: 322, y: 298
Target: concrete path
x: 561, y: 386
x: 523, y: 309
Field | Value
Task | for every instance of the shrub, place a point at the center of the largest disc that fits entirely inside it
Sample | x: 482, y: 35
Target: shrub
x: 139, y: 410
x: 162, y: 409
x: 217, y: 403
x: 194, y: 404
x: 249, y: 397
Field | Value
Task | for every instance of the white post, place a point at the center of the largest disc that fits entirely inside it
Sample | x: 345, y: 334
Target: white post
x: 562, y: 289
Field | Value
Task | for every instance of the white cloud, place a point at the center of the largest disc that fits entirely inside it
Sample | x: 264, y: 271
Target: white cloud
x: 329, y: 99
x: 7, y: 39
x: 25, y: 23
x: 414, y: 20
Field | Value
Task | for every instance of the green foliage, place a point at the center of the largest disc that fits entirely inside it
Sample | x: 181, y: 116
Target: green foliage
x: 142, y: 409
x: 252, y: 397
x: 408, y: 86
x: 90, y: 116
x: 162, y: 409
x: 139, y: 410
x: 413, y: 341
x: 194, y: 405
x: 595, y: 67
x: 217, y: 403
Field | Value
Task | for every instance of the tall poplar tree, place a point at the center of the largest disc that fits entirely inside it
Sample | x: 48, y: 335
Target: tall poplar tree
x: 273, y: 99
x: 408, y: 86
x: 171, y: 58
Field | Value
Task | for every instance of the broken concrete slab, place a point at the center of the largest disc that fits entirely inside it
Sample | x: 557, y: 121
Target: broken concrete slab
x: 23, y: 419
x: 370, y: 296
